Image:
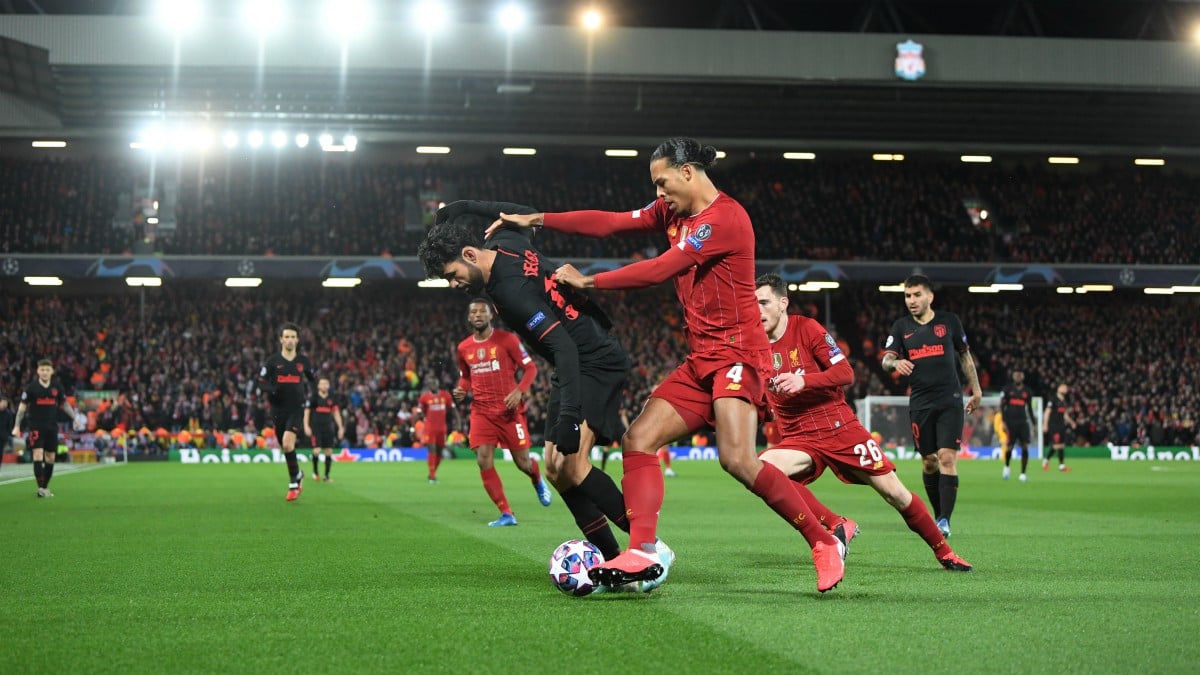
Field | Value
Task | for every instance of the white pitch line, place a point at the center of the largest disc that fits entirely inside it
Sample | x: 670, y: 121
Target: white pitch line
x: 75, y: 468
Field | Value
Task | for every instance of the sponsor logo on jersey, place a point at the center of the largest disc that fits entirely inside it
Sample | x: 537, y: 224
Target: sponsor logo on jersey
x: 733, y: 386
x: 288, y: 379
x: 535, y: 320
x: 696, y: 242
x: 672, y: 231
x: 926, y: 351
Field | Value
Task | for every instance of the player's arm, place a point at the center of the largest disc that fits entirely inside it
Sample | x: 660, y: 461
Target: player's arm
x: 967, y: 362
x: 266, y: 383
x: 548, y: 329
x: 1046, y: 416
x: 337, y: 419
x: 16, y: 430
x: 308, y: 417
x: 528, y: 368
x: 895, y: 356
x: 1004, y: 402
x: 642, y: 274
x: 585, y: 223
x: 464, y: 379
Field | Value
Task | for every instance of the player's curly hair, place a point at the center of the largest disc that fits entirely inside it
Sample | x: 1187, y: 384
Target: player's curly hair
x: 444, y: 242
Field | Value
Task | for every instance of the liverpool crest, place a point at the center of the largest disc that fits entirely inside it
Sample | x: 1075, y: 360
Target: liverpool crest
x: 910, y: 64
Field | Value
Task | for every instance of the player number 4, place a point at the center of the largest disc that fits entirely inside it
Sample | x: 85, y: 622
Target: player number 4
x: 735, y: 373
x: 868, y: 453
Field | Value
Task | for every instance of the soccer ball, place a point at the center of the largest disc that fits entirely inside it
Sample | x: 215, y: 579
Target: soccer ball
x: 569, y: 565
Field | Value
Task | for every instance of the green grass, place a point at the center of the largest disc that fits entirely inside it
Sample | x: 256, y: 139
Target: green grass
x: 170, y: 568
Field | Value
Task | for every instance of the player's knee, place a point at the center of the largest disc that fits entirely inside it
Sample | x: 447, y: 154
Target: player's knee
x: 742, y: 467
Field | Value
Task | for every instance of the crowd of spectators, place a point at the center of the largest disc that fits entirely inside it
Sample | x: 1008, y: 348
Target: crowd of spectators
x: 838, y: 209
x: 189, y: 364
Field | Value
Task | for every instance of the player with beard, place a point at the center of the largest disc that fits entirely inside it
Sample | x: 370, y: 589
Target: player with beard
x: 1057, y: 421
x: 282, y: 378
x: 564, y: 327
x: 818, y: 428
x: 721, y: 384
x: 929, y: 346
x: 1016, y: 410
x: 321, y: 414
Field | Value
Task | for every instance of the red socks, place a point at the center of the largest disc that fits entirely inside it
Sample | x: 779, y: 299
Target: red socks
x: 780, y: 493
x: 643, y: 487
x: 824, y: 516
x: 917, y: 517
x: 433, y: 460
x: 535, y: 471
x: 495, y: 489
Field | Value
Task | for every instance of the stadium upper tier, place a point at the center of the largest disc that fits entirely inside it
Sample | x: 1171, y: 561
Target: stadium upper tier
x: 826, y: 210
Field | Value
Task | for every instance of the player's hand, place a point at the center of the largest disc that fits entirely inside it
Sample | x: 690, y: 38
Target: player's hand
x: 567, y: 274
x: 788, y: 383
x: 16, y: 431
x: 307, y: 431
x: 514, y: 398
x: 459, y: 394
x: 973, y: 403
x: 566, y: 435
x: 513, y: 220
x: 904, y: 367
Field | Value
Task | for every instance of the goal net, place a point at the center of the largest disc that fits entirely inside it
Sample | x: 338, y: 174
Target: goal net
x: 888, y: 417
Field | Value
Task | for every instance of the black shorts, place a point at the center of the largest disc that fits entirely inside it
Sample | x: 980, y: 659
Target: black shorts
x: 288, y: 420
x: 935, y: 428
x: 1018, y: 433
x: 324, y: 437
x: 45, y: 438
x: 602, y: 391
x: 1056, y: 436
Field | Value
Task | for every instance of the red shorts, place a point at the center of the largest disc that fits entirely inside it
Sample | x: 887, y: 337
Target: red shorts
x: 851, y: 450
x: 436, y: 437
x: 509, y: 431
x: 702, y: 378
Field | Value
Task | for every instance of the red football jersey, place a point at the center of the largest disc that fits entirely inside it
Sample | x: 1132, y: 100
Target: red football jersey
x: 816, y: 412
x: 435, y: 405
x: 717, y: 294
x: 489, y: 369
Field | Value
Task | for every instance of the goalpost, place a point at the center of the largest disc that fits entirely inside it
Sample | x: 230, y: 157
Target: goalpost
x: 888, y: 416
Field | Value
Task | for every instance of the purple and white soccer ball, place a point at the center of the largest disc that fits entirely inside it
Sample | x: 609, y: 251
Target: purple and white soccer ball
x: 569, y: 565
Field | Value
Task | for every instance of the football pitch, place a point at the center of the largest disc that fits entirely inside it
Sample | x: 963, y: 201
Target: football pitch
x: 153, y: 568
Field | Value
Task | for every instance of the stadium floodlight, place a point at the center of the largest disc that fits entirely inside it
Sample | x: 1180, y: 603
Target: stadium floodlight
x: 1009, y: 287
x: 592, y: 19
x: 982, y: 289
x: 1148, y: 161
x: 512, y: 17
x: 229, y: 139
x: 350, y: 141
x: 799, y: 155
x: 433, y: 283
x: 341, y: 282
x: 325, y: 140
x: 243, y: 282
x: 721, y: 154
x: 433, y: 150
x: 180, y: 15
x: 808, y: 287
x: 620, y: 152
x: 1065, y: 290
x: 44, y: 281
x: 1186, y: 289
x: 1096, y: 288
x: 520, y: 152
x: 887, y: 157
x: 1062, y: 160
x: 49, y: 144
x: 1158, y: 291
x: 891, y: 288
x: 264, y: 16
x: 430, y: 16
x: 152, y: 220
x: 254, y: 139
x: 279, y: 139
x: 824, y: 285
x: 301, y: 140
x: 143, y: 281
x: 976, y: 159
x: 347, y: 18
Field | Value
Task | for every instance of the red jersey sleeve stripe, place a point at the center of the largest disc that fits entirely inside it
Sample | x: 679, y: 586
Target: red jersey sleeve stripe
x: 552, y: 327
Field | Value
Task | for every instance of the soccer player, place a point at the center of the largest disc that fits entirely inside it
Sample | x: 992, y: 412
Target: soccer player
x: 321, y: 416
x: 435, y: 403
x: 42, y: 399
x: 1016, y: 410
x: 922, y: 346
x: 711, y: 260
x: 819, y: 429
x: 1057, y: 420
x: 564, y: 327
x: 282, y: 378
x: 487, y: 364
